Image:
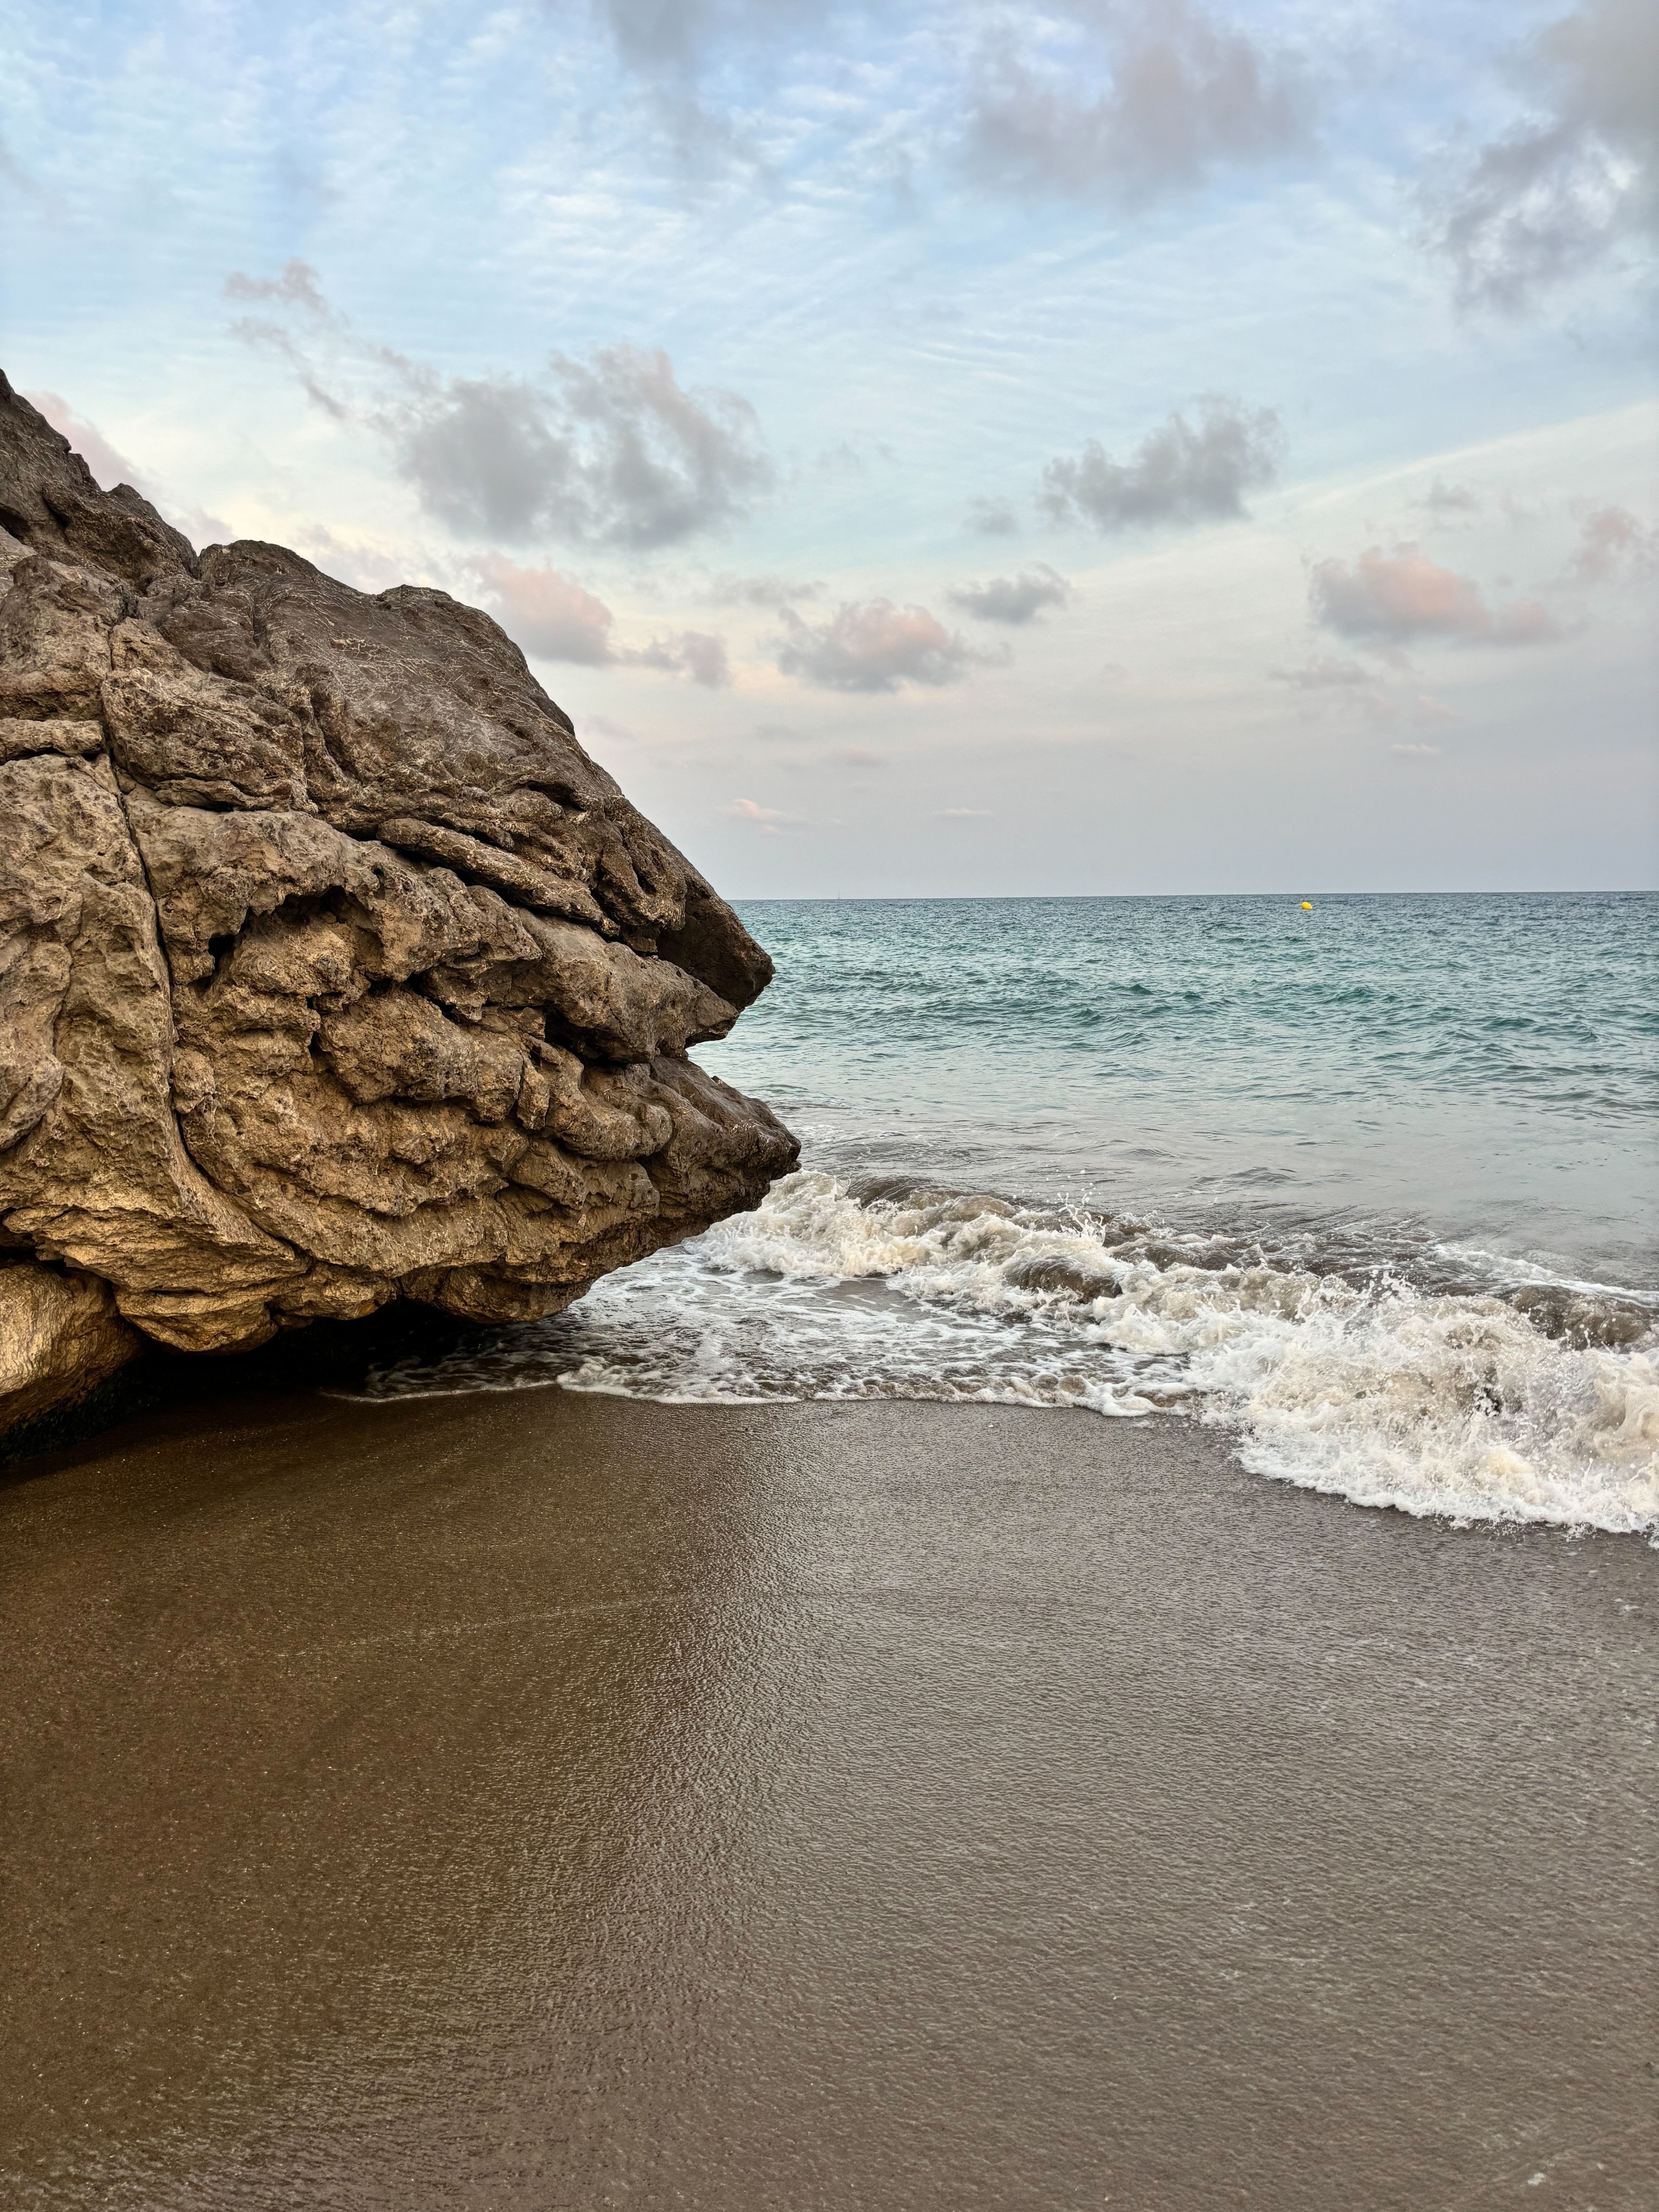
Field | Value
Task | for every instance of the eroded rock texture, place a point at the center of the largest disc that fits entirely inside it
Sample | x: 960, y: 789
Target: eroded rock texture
x: 331, y: 970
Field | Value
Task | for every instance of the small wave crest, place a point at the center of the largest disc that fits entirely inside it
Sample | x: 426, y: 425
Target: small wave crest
x: 1357, y: 1382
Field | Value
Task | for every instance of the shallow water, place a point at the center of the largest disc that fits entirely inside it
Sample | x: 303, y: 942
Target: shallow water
x: 1376, y: 1185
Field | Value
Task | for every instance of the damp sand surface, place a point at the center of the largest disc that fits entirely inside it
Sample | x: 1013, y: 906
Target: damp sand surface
x: 539, y: 1801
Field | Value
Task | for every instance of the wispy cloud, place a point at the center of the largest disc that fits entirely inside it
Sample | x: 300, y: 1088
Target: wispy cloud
x: 109, y: 466
x: 1615, y: 547
x: 1326, y: 673
x: 112, y: 467
x: 1013, y: 600
x: 768, y: 820
x: 1181, y: 473
x: 993, y: 517
x: 773, y: 592
x: 1447, y: 503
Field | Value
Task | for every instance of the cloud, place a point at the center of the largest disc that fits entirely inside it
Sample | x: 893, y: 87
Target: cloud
x: 767, y: 819
x: 555, y: 618
x: 365, y: 568
x: 858, y: 756
x: 1326, y: 673
x: 1178, y: 473
x: 1416, y: 752
x: 609, y: 450
x: 673, y: 47
x: 966, y: 814
x: 112, y: 467
x: 1442, y: 499
x: 1183, y: 96
x: 693, y: 652
x: 1615, y: 547
x: 14, y: 174
x: 299, y: 286
x: 1013, y: 600
x: 1549, y: 199
x: 992, y: 517
x: 1388, y: 599
x: 1352, y: 688
x: 876, y: 646
x: 547, y: 612
x: 774, y: 592
x: 676, y: 40
x: 109, y: 466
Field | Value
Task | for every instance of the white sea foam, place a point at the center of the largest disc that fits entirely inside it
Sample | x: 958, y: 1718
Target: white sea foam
x: 1385, y: 1393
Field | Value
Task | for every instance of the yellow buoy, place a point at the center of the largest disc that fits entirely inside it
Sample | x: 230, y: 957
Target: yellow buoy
x: 1307, y: 906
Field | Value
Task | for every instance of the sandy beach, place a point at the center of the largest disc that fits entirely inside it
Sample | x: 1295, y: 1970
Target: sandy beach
x: 538, y: 1800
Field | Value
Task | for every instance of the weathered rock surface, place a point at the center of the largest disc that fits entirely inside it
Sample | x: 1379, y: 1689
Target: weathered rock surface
x: 60, y: 1336
x: 331, y: 970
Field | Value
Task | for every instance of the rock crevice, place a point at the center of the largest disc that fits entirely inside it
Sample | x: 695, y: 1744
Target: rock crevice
x: 331, y: 970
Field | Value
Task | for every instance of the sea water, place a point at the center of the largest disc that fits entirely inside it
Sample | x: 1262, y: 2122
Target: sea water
x: 1374, y: 1184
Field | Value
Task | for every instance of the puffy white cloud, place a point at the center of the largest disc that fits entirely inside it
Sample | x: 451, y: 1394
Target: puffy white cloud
x: 608, y: 450
x: 1180, y: 472
x: 1013, y: 600
x: 1545, y: 201
x: 1391, y: 598
x: 875, y: 647
x: 1175, y: 94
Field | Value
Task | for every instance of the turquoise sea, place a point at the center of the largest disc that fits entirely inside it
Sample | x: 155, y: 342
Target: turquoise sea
x: 1374, y: 1184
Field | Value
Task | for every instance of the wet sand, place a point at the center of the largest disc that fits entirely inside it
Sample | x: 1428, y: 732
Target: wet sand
x: 543, y: 1801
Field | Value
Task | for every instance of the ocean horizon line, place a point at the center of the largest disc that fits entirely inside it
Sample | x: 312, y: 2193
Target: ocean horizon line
x: 1091, y: 898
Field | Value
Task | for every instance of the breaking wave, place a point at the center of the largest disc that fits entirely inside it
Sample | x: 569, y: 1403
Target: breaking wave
x: 1425, y: 1380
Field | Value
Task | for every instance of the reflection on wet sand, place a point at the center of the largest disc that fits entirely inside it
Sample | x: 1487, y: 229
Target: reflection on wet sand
x: 533, y: 1802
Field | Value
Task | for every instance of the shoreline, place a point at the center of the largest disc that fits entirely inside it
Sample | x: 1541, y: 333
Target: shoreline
x: 542, y: 1797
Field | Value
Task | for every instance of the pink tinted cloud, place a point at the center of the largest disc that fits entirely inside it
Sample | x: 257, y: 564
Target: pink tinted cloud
x: 109, y: 466
x: 547, y: 612
x: 875, y: 647
x: 767, y: 819
x: 1390, y: 599
x: 1613, y: 546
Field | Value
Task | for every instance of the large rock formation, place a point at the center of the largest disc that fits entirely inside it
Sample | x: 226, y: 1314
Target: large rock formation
x: 331, y: 970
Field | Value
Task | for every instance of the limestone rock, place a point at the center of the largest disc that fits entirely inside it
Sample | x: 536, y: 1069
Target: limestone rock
x: 60, y: 1336
x: 331, y: 969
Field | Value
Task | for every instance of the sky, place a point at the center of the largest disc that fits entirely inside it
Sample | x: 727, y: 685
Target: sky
x: 1105, y: 446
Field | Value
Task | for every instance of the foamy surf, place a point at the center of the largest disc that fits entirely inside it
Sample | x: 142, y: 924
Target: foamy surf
x: 1447, y: 1403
